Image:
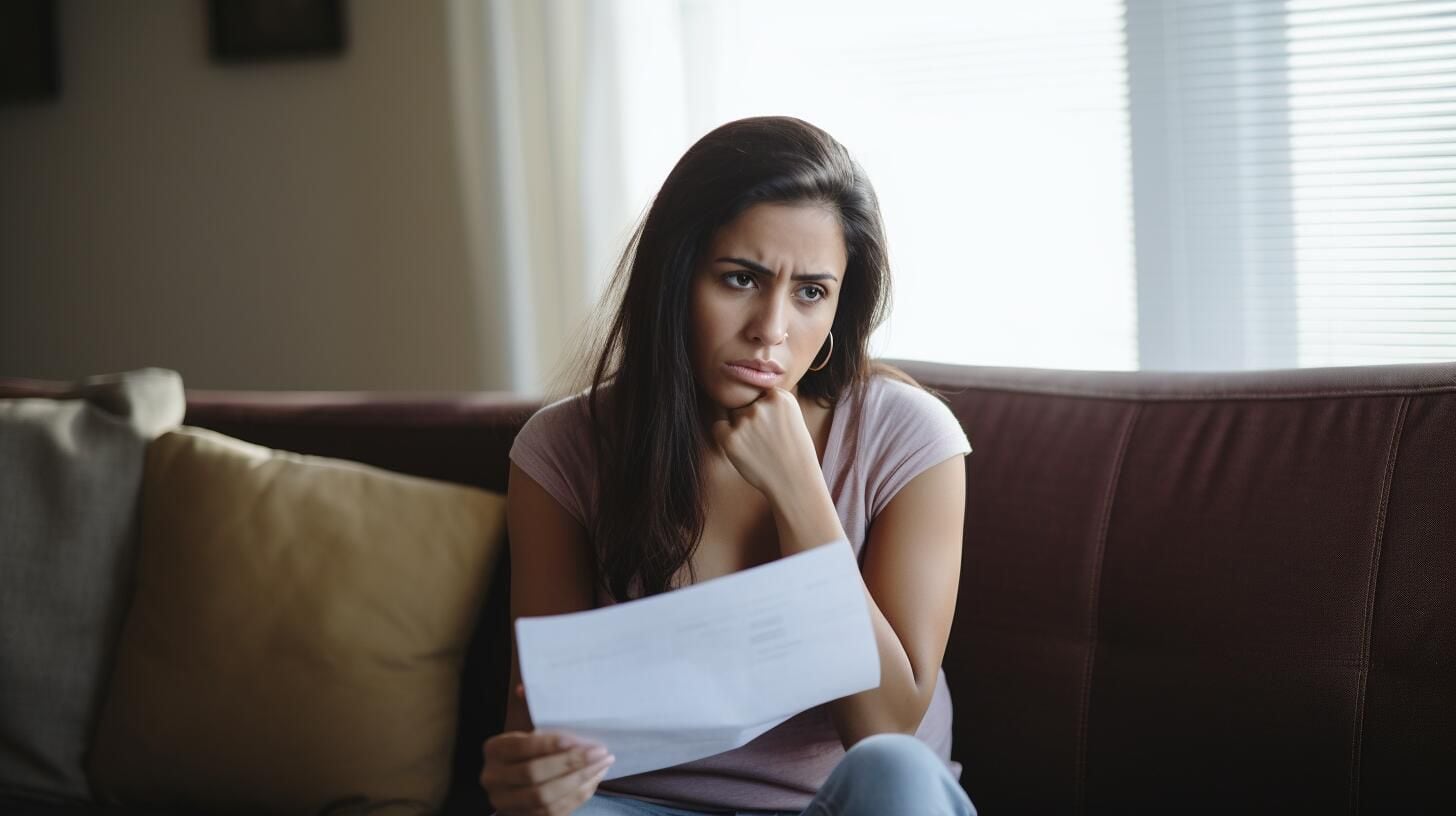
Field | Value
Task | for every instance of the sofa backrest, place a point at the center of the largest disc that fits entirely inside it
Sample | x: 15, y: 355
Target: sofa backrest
x: 1201, y: 590
x: 1211, y: 590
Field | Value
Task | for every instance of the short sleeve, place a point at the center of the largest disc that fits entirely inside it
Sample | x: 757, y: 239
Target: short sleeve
x: 554, y: 448
x: 911, y: 431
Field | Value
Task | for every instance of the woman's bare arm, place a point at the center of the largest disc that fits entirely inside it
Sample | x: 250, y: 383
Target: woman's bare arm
x: 911, y: 573
x: 552, y: 570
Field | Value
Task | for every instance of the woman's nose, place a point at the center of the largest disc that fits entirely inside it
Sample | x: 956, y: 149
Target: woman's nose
x: 769, y: 339
x: 770, y: 326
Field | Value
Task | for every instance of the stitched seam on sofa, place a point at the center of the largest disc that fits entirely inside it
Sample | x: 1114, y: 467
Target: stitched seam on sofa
x: 1197, y: 396
x: 1094, y: 600
x: 1362, y: 675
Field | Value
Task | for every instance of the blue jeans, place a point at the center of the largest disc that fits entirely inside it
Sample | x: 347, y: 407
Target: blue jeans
x: 881, y: 775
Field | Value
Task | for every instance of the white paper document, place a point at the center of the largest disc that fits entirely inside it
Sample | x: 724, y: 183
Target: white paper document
x: 706, y: 668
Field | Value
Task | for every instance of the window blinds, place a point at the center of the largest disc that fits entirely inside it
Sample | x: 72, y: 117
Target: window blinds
x: 1303, y: 153
x: 1373, y: 175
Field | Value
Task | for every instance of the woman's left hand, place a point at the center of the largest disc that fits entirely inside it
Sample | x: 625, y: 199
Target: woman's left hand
x: 769, y: 444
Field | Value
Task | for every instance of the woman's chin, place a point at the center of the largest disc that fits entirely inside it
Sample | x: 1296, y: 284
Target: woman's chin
x: 730, y: 396
x: 739, y: 398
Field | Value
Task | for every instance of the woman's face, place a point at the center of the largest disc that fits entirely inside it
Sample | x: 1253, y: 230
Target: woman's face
x: 763, y: 300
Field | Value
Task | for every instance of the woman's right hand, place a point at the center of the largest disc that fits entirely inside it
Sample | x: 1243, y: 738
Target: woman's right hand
x: 541, y: 773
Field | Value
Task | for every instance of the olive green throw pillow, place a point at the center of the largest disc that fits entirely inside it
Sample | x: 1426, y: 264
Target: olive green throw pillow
x: 297, y: 632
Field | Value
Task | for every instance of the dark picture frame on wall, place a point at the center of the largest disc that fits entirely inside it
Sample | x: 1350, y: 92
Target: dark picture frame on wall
x: 258, y: 30
x: 29, y: 61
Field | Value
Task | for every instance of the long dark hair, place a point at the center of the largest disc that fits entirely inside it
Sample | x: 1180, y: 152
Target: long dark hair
x: 643, y: 398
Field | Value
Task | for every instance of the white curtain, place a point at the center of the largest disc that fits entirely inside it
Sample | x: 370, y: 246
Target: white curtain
x: 565, y: 120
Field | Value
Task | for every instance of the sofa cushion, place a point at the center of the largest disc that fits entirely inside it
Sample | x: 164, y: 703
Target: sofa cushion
x: 297, y: 631
x: 70, y: 473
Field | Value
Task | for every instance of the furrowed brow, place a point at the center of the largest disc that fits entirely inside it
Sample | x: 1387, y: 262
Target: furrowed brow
x: 766, y: 272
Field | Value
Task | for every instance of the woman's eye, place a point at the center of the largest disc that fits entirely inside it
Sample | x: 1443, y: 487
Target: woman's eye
x: 739, y: 280
x: 812, y: 293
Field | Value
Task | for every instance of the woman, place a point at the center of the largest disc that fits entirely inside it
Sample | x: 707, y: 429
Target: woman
x: 733, y: 417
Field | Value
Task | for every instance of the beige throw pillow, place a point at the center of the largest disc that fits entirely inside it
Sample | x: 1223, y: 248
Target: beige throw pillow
x: 297, y: 631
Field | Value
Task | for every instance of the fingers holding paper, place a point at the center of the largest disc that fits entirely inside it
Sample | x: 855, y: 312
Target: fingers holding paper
x: 542, y: 772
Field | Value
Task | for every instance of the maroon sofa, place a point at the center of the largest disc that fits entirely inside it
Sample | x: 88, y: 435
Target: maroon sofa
x: 1179, y: 592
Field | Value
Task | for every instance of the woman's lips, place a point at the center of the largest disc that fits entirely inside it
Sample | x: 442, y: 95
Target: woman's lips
x: 752, y: 376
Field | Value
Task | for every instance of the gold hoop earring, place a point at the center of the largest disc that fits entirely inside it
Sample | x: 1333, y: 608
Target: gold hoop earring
x: 820, y: 367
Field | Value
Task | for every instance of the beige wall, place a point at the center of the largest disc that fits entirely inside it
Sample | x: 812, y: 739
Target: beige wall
x: 280, y: 225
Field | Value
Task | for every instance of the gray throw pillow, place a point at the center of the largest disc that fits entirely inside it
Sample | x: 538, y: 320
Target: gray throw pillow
x: 70, y: 478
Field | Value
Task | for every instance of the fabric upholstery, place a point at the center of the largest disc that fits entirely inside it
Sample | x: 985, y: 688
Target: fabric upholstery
x: 297, y: 634
x: 70, y: 472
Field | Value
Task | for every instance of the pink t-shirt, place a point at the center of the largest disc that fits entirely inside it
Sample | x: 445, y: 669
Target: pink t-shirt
x: 902, y: 431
